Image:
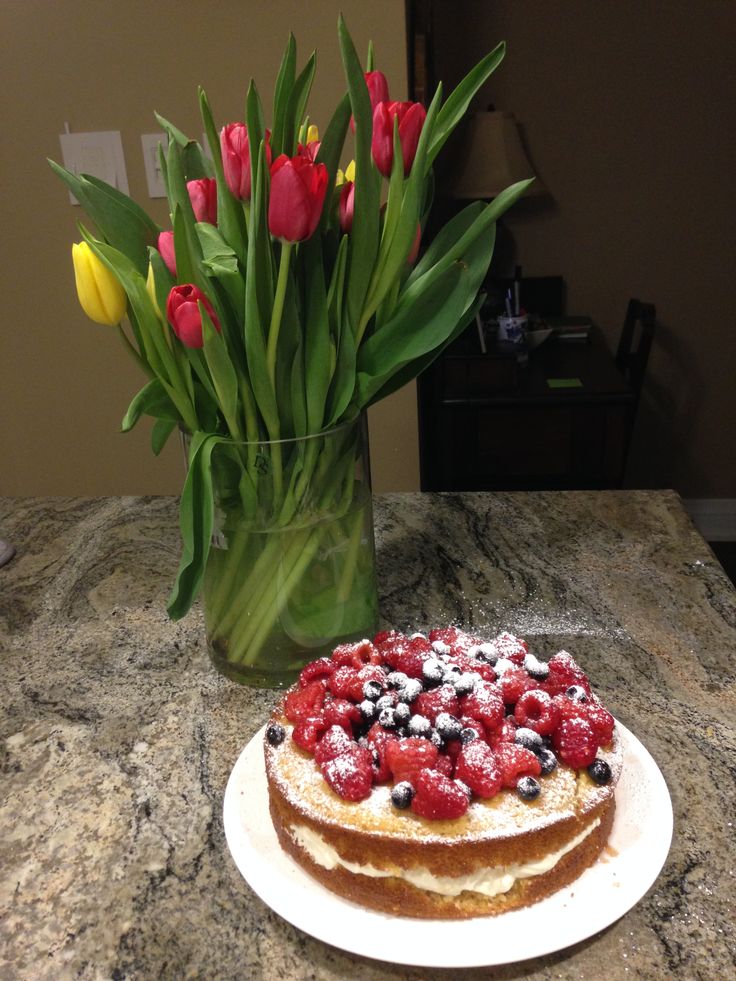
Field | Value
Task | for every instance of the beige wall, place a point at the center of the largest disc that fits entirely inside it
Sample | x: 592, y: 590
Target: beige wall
x: 64, y: 382
x: 629, y: 112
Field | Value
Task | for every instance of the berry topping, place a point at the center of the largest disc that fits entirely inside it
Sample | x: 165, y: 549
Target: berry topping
x: 513, y: 682
x: 332, y: 744
x: 477, y: 767
x: 528, y: 788
x: 350, y: 774
x: 464, y: 683
x: 306, y: 733
x: 535, y: 668
x: 484, y: 704
x: 275, y: 733
x: 601, y: 722
x: 600, y: 771
x: 341, y: 712
x: 419, y: 725
x: 511, y: 648
x: 396, y: 679
x: 406, y: 757
x: 442, y: 699
x: 529, y: 739
x: 302, y: 702
x: 536, y: 710
x: 448, y: 726
x: 514, y: 762
x: 575, y: 743
x: 402, y: 714
x: 437, y: 797
x: 467, y: 735
x: 433, y: 672
x: 367, y: 710
x: 547, y: 761
x: 321, y: 668
x: 564, y: 672
x: 387, y: 718
x: 372, y: 690
x: 410, y: 690
x: 577, y: 693
x: 402, y: 795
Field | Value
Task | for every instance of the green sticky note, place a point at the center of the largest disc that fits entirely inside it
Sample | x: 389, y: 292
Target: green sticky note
x: 564, y: 383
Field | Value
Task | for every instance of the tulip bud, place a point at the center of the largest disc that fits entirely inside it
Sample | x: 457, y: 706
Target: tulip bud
x: 100, y: 293
x: 411, y: 116
x: 236, y: 158
x: 151, y: 289
x: 203, y: 195
x: 298, y: 188
x: 346, y: 206
x: 347, y: 175
x: 377, y: 90
x: 182, y: 312
x: 166, y: 248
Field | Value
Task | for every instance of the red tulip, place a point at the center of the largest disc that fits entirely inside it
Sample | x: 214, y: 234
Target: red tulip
x: 411, y: 116
x: 309, y: 151
x: 298, y: 189
x: 183, y: 314
x: 166, y: 248
x: 346, y: 206
x: 377, y: 90
x: 203, y: 195
x: 236, y: 158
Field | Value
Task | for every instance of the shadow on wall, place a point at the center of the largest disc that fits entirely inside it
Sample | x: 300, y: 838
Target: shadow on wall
x: 673, y: 390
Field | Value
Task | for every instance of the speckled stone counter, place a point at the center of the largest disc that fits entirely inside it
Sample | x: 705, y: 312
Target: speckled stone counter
x: 118, y: 737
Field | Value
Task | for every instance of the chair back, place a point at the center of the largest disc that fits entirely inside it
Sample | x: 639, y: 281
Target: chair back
x: 636, y: 343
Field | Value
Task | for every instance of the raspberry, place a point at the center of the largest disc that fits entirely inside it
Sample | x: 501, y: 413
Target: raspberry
x: 305, y: 701
x: 392, y: 647
x: 437, y: 797
x: 341, y: 712
x: 513, y: 683
x: 353, y: 655
x: 332, y: 744
x: 344, y: 681
x: 411, y: 661
x: 485, y: 704
x: 601, y: 722
x: 307, y: 732
x: 506, y: 732
x: 477, y: 767
x: 406, y: 757
x: 510, y: 647
x: 564, y: 672
x: 536, y: 710
x: 575, y: 743
x: 350, y: 774
x: 567, y: 708
x: 432, y: 703
x: 473, y: 724
x: 445, y: 764
x: 514, y: 762
x: 378, y: 741
x: 322, y: 668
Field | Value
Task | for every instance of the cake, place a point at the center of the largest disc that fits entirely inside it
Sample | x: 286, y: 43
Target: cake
x: 442, y: 775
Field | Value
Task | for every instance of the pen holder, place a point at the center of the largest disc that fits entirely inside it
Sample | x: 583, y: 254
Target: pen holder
x: 512, y: 329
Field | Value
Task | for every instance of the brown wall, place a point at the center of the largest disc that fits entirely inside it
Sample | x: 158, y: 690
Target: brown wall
x: 64, y: 382
x: 629, y: 114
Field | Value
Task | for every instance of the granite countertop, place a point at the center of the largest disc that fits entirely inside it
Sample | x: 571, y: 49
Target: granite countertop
x: 118, y: 737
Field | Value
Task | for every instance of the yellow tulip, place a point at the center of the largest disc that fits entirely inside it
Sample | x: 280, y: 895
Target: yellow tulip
x: 347, y: 175
x: 312, y: 134
x: 151, y: 290
x: 99, y: 291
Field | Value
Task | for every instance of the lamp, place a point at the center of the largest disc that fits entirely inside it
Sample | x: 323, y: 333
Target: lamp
x: 488, y: 157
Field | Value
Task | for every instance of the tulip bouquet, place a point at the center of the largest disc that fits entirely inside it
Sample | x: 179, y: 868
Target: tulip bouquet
x: 286, y: 297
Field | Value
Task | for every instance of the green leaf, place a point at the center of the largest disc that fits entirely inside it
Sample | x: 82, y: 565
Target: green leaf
x: 152, y: 400
x: 224, y: 377
x: 458, y: 101
x: 316, y: 335
x: 160, y: 432
x: 195, y: 162
x: 119, y: 220
x: 284, y: 85
x: 330, y: 150
x: 196, y: 517
x: 297, y: 105
x: 221, y: 262
x: 343, y: 378
x: 230, y: 218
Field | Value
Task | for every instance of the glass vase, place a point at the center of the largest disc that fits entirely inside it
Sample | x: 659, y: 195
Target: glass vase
x: 291, y: 569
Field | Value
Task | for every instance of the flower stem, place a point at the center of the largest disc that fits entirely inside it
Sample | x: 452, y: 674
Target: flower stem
x: 278, y: 310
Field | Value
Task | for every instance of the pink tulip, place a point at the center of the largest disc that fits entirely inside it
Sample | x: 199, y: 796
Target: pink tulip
x: 236, y: 158
x: 377, y: 90
x: 298, y: 188
x: 182, y: 312
x: 166, y: 248
x: 346, y: 206
x: 411, y: 116
x: 203, y: 195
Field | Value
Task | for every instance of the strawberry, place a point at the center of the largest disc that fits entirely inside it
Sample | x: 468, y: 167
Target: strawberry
x: 315, y: 670
x: 341, y: 712
x: 332, y: 744
x: 437, y: 797
x: 477, y: 767
x: 575, y: 743
x: 350, y: 774
x: 536, y: 710
x: 302, y: 702
x: 514, y: 762
x: 485, y: 704
x: 406, y: 757
x: 307, y: 732
x: 431, y: 703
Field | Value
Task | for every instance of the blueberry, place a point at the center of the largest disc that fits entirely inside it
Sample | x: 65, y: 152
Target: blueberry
x: 440, y: 647
x: 451, y: 672
x: 433, y: 671
x: 402, y: 714
x: 467, y: 735
x: 599, y: 771
x: 464, y: 683
x: 367, y: 710
x: 577, y: 693
x: 485, y: 652
x: 535, y: 668
x: 436, y: 739
x: 547, y: 760
x: 372, y: 690
x: 387, y: 718
x: 528, y: 788
x: 402, y: 795
x: 275, y: 734
x: 419, y: 726
x: 397, y: 679
x: 529, y: 739
x: 448, y: 726
x: 409, y: 691
x: 385, y: 701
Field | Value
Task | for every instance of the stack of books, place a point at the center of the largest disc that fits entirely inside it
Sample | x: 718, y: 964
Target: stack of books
x: 570, y: 328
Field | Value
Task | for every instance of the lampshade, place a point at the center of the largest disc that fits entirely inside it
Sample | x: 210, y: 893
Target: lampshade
x: 489, y: 156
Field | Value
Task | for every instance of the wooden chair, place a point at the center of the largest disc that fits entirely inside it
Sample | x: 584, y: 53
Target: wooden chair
x: 636, y: 343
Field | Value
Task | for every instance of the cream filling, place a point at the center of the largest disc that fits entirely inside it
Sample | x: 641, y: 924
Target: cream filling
x: 489, y: 882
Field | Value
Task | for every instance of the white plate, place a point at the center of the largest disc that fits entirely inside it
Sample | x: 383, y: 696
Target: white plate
x: 638, y: 846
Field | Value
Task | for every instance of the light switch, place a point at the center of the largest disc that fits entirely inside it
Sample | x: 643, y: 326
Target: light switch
x: 98, y: 154
x: 154, y: 177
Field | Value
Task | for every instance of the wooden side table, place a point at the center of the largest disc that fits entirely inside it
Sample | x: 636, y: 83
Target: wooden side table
x: 562, y: 421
